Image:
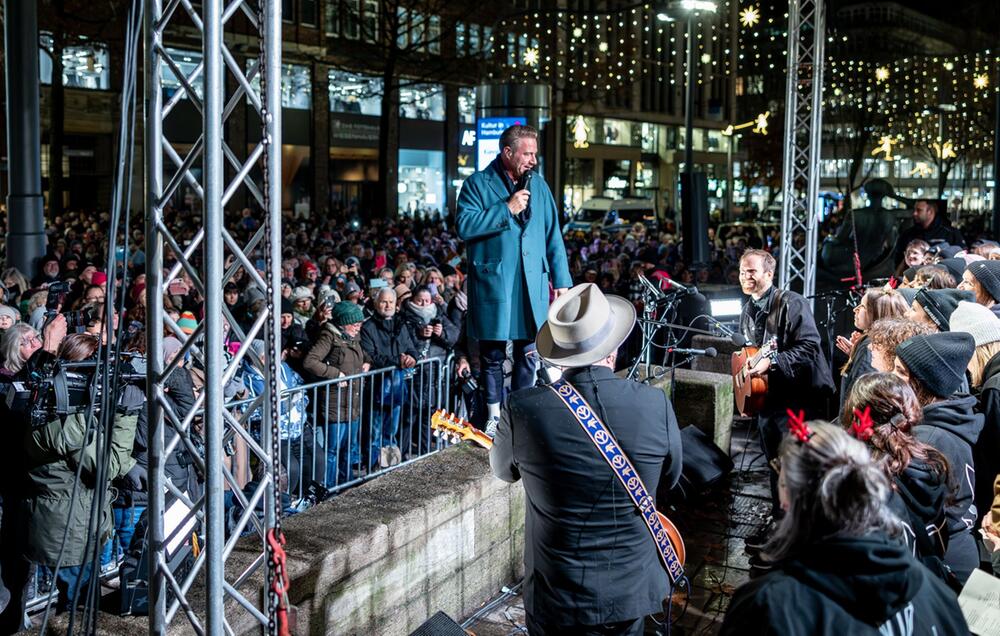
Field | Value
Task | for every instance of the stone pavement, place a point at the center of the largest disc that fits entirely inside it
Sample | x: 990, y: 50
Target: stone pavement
x: 713, y: 527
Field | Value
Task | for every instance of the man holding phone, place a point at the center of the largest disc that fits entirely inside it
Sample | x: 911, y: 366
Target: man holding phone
x: 510, y: 224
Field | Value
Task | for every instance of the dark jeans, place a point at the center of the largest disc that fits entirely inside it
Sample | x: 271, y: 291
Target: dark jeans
x: 68, y: 579
x: 492, y: 354
x: 117, y: 545
x: 633, y: 627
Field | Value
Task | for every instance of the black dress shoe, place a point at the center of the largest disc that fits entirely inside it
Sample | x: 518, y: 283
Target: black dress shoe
x: 756, y: 541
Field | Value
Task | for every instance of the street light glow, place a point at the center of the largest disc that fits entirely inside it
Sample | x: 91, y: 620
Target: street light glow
x: 698, y: 5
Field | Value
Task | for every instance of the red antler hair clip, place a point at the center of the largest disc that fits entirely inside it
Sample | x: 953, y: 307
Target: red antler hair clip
x: 797, y: 426
x: 863, y: 425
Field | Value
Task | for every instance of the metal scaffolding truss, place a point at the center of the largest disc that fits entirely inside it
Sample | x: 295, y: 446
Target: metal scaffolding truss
x: 211, y: 257
x: 803, y: 138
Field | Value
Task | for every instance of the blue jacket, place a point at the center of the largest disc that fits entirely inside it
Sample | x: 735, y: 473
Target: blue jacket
x: 509, y: 264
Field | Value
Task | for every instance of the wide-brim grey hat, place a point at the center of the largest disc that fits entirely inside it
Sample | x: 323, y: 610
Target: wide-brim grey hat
x: 584, y: 326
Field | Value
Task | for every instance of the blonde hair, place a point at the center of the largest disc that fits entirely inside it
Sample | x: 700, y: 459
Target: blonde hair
x: 977, y: 365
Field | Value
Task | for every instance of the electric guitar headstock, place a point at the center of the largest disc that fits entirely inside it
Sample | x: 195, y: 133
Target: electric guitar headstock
x: 451, y: 428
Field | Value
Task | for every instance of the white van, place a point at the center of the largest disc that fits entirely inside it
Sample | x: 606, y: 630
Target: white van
x: 613, y: 214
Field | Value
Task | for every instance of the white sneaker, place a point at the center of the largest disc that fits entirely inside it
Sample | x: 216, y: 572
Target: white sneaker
x: 491, y: 427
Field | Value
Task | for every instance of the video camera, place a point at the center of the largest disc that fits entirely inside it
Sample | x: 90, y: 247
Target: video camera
x: 56, y: 299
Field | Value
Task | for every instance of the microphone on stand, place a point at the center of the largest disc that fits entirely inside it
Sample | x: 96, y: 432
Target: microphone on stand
x: 653, y: 289
x: 710, y: 352
x: 736, y: 338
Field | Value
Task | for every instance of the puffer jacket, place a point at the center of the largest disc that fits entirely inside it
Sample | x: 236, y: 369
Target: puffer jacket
x: 435, y: 346
x: 336, y: 353
x: 52, y: 454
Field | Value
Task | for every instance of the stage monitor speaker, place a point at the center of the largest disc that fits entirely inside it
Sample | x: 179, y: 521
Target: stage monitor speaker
x: 704, y: 463
x: 440, y: 625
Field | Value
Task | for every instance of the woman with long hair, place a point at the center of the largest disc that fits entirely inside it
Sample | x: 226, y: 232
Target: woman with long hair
x: 876, y: 304
x: 934, y: 367
x: 918, y: 473
x: 840, y: 568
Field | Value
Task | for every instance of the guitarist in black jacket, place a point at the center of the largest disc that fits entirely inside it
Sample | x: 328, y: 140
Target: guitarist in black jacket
x: 591, y: 566
x: 799, y: 375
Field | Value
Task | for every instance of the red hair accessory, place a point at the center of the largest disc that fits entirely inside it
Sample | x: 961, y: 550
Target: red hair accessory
x: 797, y: 426
x: 863, y: 425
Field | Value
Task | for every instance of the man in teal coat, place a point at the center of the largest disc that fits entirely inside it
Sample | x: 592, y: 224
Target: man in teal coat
x: 508, y: 220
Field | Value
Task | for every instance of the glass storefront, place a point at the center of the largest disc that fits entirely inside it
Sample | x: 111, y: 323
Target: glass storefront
x: 84, y: 65
x: 421, y: 182
x: 296, y: 85
x: 467, y: 105
x: 355, y: 93
x: 422, y: 101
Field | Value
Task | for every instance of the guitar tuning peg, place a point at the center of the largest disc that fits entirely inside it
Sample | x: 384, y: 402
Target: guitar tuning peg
x: 455, y: 439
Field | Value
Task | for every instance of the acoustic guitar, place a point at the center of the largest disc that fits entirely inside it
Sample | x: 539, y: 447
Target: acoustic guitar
x: 451, y: 428
x: 748, y: 390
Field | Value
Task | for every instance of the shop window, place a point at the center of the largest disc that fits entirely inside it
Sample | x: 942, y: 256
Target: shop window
x: 296, y: 85
x: 85, y: 65
x: 352, y: 19
x: 288, y: 10
x: 421, y: 182
x: 467, y: 105
x: 460, y: 39
x: 307, y: 12
x: 474, y: 44
x: 422, y: 101
x: 616, y: 132
x: 434, y: 35
x: 369, y: 21
x: 403, y: 34
x: 355, y: 93
x: 186, y: 61
x: 331, y: 17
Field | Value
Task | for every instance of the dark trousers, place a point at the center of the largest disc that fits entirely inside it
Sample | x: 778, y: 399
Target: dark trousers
x: 492, y: 354
x: 633, y: 627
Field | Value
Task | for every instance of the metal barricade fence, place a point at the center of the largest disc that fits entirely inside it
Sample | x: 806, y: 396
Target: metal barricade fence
x: 336, y: 433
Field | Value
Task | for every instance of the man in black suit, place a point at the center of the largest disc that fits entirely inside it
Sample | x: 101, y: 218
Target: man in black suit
x: 591, y: 566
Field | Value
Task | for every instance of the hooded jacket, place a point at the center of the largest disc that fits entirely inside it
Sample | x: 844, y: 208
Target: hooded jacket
x: 847, y: 585
x: 919, y: 498
x: 860, y: 365
x: 952, y: 427
x: 985, y: 450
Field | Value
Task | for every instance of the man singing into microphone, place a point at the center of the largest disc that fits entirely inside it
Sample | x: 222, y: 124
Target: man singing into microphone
x: 508, y: 220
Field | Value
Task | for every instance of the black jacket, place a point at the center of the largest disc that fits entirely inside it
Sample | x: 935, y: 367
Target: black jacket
x: 801, y: 377
x: 588, y: 556
x: 435, y: 346
x: 952, y: 427
x: 940, y: 230
x: 384, y: 339
x: 986, y: 452
x: 847, y: 586
x: 860, y: 365
x: 919, y: 498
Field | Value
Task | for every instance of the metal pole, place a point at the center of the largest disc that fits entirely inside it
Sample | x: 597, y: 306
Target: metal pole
x: 214, y: 185
x: 153, y: 170
x: 25, y: 204
x: 689, y: 100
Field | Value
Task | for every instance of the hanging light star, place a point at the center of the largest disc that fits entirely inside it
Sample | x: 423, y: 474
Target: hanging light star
x: 531, y: 57
x: 881, y: 74
x: 884, y: 147
x: 750, y: 16
x: 981, y: 81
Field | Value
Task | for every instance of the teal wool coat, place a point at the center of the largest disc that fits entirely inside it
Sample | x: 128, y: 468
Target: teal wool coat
x: 509, y: 265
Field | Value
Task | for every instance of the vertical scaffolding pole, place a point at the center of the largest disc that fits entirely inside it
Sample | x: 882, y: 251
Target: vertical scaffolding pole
x: 803, y: 140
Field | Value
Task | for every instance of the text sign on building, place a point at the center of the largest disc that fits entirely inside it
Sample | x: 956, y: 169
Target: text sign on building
x: 488, y: 133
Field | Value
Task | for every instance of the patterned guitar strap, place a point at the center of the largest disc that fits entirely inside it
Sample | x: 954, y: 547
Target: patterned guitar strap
x: 627, y: 475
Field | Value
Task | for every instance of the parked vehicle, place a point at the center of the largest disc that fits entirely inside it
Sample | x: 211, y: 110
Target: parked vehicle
x: 612, y: 215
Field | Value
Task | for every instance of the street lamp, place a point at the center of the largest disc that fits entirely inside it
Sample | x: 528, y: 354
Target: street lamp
x: 693, y: 215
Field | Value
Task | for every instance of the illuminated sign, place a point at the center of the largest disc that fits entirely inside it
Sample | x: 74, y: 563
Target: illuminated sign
x: 488, y: 133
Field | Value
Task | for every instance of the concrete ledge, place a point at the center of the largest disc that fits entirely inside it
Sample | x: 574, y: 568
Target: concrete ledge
x: 703, y: 399
x: 438, y: 534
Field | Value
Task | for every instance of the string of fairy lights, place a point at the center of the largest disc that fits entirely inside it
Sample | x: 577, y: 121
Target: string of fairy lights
x: 943, y: 104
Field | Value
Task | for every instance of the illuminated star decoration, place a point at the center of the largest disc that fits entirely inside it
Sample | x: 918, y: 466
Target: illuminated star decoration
x: 750, y: 16
x: 531, y: 57
x: 885, y: 147
x: 922, y: 169
x: 947, y: 151
x: 881, y: 74
x: 981, y: 81
x: 759, y: 125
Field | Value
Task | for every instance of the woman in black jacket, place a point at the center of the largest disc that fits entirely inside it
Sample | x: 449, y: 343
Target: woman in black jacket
x: 918, y: 474
x: 934, y: 366
x: 840, y: 569
x: 876, y: 304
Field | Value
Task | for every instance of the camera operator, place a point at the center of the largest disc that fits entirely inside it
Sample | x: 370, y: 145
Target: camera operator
x: 24, y: 349
x: 432, y: 331
x: 57, y: 523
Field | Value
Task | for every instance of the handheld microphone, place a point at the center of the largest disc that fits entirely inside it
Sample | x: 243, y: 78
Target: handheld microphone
x: 525, y: 180
x: 708, y: 353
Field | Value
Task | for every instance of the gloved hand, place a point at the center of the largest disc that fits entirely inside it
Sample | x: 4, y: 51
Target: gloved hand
x: 137, y: 478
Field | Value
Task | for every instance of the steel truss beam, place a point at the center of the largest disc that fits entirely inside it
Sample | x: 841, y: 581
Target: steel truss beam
x: 167, y: 168
x: 803, y: 139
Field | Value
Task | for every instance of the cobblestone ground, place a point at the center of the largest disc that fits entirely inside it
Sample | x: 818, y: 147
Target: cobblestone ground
x: 713, y: 526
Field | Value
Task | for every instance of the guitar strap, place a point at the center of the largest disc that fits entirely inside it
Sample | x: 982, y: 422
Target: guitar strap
x: 771, y: 326
x: 612, y: 453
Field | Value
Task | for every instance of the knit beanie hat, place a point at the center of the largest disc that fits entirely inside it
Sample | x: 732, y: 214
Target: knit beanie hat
x: 908, y: 294
x: 187, y: 323
x: 286, y: 306
x: 977, y: 321
x: 940, y: 303
x: 949, y: 251
x: 938, y: 360
x: 955, y: 267
x: 346, y: 313
x: 988, y: 275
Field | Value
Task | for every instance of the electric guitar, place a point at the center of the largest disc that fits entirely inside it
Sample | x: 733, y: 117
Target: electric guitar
x: 450, y: 427
x: 748, y: 390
